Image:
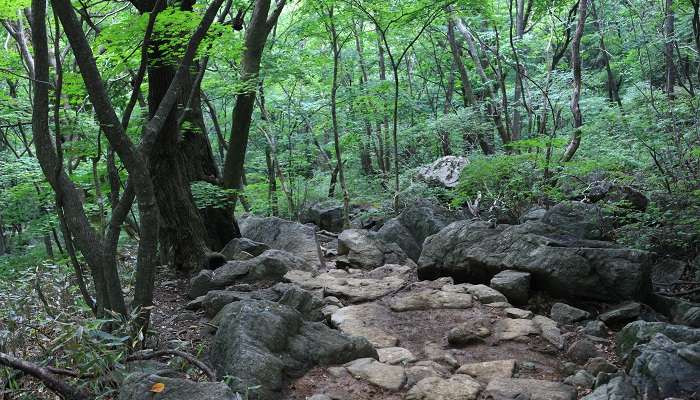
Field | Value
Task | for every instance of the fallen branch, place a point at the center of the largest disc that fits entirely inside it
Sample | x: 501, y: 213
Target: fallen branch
x: 55, y: 384
x: 190, y: 358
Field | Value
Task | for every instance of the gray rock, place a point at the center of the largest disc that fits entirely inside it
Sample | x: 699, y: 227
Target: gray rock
x: 581, y: 379
x: 559, y: 263
x: 618, y: 388
x: 518, y: 313
x: 582, y: 350
x: 352, y: 320
x: 470, y: 332
x: 565, y: 314
x: 515, y: 285
x: 659, y: 369
x: 271, y: 265
x: 621, y: 314
x: 395, y: 355
x: 320, y: 397
x: 386, y: 376
x: 416, y: 222
x: 485, y: 294
x: 488, y: 370
x: 549, y: 331
x: 137, y: 386
x: 429, y: 299
x: 443, y: 172
x: 533, y: 214
x: 280, y: 234
x: 510, y: 329
x: 260, y: 343
x: 640, y: 332
x: 233, y: 248
x: 583, y: 220
x: 424, y: 369
x: 691, y: 317
x: 457, y: 387
x: 343, y: 285
x: 532, y: 389
x: 358, y: 248
x: 326, y: 215
x: 595, y: 328
x: 667, y: 271
x: 597, y: 365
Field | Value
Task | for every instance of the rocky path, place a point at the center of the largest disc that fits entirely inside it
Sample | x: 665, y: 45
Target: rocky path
x: 277, y: 322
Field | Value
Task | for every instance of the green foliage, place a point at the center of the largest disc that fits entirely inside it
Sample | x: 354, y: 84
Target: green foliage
x: 208, y: 195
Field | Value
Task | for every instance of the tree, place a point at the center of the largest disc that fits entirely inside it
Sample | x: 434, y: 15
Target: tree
x: 576, y: 91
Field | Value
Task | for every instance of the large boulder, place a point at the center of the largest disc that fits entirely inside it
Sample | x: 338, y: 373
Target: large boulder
x: 560, y: 263
x: 137, y: 386
x: 663, y: 368
x: 640, y: 332
x: 236, y: 246
x: 326, y: 215
x: 443, y: 172
x: 281, y: 234
x: 271, y: 265
x: 415, y: 223
x: 362, y: 249
x: 259, y: 344
x: 582, y: 220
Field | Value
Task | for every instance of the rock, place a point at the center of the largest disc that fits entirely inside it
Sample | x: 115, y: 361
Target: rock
x: 280, y: 234
x: 549, y: 331
x: 667, y: 271
x: 582, y: 350
x: 583, y: 220
x: 443, y: 172
x: 236, y: 246
x: 618, y: 388
x: 326, y: 215
x: 509, y: 329
x: 415, y: 223
x: 352, y: 320
x: 622, y: 195
x: 531, y: 389
x: 362, y: 249
x: 640, y: 332
x: 660, y: 370
x: 561, y: 264
x: 340, y: 284
x: 595, y: 328
x: 597, y: 365
x: 621, y: 315
x: 395, y: 355
x: 435, y: 352
x: 320, y: 397
x: 138, y: 386
x: 470, y: 332
x: 271, y: 265
x: 581, y: 379
x: 488, y: 370
x: 518, y: 313
x: 383, y: 375
x: 457, y: 387
x: 424, y: 369
x: 430, y: 299
x: 565, y: 314
x: 691, y: 317
x: 485, y: 294
x: 533, y: 214
x: 259, y: 343
x: 515, y: 285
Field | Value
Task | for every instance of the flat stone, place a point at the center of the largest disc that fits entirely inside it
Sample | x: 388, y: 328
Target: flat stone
x: 565, y: 314
x: 581, y: 379
x: 486, y: 295
x: 596, y: 365
x: 488, y: 370
x: 531, y: 389
x: 621, y: 315
x: 595, y: 328
x: 430, y: 299
x: 549, y: 331
x: 509, y: 329
x: 515, y: 285
x: 386, y: 376
x: 435, y: 352
x: 582, y: 350
x: 517, y: 313
x: 457, y: 387
x: 424, y: 369
x: 353, y: 320
x: 469, y: 332
x: 395, y: 355
x: 355, y: 290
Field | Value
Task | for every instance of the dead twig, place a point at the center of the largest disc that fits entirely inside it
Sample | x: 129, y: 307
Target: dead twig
x: 49, y: 380
x: 147, y: 355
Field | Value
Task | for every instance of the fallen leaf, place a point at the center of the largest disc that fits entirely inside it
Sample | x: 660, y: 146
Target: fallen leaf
x: 157, y: 387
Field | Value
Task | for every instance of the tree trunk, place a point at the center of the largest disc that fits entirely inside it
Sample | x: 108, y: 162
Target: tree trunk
x: 612, y: 84
x: 669, y: 40
x: 576, y: 92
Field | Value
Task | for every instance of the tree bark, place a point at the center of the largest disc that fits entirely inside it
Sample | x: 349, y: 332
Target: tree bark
x: 576, y: 91
x: 669, y: 40
x: 612, y: 84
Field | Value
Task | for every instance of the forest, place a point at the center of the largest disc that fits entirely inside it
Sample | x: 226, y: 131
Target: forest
x: 350, y: 199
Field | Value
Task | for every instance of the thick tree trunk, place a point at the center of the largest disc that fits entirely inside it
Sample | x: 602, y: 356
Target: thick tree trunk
x: 576, y: 91
x: 257, y: 31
